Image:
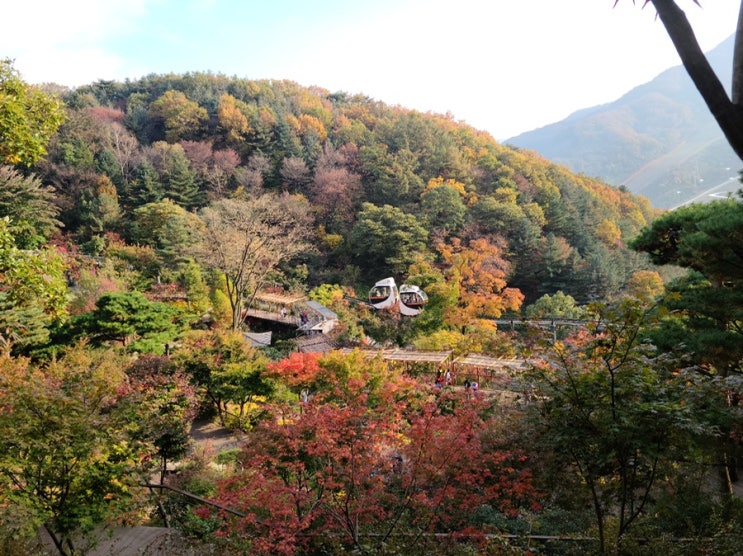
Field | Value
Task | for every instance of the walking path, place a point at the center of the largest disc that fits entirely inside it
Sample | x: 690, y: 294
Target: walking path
x: 209, y: 434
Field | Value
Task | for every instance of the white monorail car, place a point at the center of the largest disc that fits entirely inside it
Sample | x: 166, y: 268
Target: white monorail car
x: 412, y: 300
x: 384, y: 294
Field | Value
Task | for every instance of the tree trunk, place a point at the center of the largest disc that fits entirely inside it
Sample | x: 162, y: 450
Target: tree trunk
x: 727, y: 113
x: 738, y: 60
x: 56, y: 540
x: 237, y: 316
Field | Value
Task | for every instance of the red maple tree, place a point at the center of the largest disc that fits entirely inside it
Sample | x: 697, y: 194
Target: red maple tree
x: 373, y: 458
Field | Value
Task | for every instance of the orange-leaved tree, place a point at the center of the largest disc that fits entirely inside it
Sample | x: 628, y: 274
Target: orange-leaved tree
x: 481, y: 270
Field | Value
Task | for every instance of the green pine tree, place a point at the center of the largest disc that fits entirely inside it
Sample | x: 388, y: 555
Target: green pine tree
x: 181, y: 186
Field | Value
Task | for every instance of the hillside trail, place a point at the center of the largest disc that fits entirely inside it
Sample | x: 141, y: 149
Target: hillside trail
x: 208, y: 435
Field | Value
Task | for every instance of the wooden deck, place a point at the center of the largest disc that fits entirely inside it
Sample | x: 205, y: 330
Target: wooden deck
x: 289, y: 320
x: 134, y: 541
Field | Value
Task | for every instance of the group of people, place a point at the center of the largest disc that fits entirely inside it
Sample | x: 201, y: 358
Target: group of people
x: 304, y: 318
x: 474, y: 386
x: 445, y: 379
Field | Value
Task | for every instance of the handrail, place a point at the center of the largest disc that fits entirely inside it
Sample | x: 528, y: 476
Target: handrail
x: 195, y: 497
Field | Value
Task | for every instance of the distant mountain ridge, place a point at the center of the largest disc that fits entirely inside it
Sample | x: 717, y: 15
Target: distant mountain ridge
x: 659, y: 140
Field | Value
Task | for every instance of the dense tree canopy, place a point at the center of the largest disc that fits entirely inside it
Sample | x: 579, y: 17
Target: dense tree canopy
x: 386, y: 239
x: 613, y: 406
x: 364, y: 463
x: 29, y: 206
x: 342, y: 153
x: 705, y: 238
x: 28, y: 118
x: 705, y: 306
x: 66, y: 458
x: 131, y: 320
x: 186, y: 200
x: 168, y: 228
x: 33, y: 292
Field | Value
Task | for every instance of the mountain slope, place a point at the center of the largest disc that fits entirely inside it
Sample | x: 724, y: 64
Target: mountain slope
x: 385, y: 187
x: 659, y: 140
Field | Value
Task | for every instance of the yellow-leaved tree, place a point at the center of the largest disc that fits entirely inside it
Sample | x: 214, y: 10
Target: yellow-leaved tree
x: 28, y: 118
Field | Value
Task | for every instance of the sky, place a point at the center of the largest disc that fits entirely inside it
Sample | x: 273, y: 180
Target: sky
x: 501, y: 66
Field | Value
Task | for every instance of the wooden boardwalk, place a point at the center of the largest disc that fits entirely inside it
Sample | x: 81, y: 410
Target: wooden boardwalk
x: 287, y: 319
x: 134, y: 541
x: 314, y: 317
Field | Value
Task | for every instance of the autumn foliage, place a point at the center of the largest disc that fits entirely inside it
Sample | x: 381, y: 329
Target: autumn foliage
x: 480, y: 269
x: 371, y: 458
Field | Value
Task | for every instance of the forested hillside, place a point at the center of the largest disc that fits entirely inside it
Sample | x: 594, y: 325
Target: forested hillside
x: 422, y: 180
x: 141, y: 222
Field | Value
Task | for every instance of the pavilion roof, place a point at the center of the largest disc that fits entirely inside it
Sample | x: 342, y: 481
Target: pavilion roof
x: 413, y: 356
x: 280, y: 298
x: 406, y: 355
x: 491, y: 363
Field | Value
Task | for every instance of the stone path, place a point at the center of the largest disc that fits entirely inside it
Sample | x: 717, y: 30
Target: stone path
x: 209, y: 434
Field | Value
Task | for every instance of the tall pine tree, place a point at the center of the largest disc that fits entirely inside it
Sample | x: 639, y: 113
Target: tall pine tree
x: 181, y: 186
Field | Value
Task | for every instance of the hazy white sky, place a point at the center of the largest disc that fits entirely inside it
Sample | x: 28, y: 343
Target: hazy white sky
x: 503, y: 66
